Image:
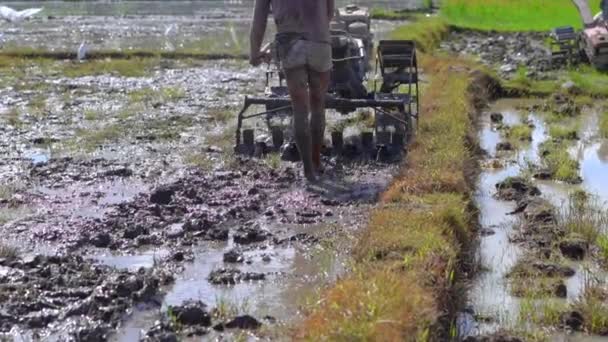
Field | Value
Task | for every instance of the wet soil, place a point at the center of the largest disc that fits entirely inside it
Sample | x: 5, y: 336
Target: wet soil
x: 507, y: 52
x: 210, y: 26
x: 136, y: 205
x: 522, y: 212
x: 127, y: 206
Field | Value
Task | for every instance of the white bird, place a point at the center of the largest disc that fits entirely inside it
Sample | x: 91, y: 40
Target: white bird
x: 82, y: 51
x: 15, y: 16
x: 170, y: 29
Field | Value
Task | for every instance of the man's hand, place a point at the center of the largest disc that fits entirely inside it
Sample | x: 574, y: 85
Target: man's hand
x: 255, y: 60
x: 262, y: 56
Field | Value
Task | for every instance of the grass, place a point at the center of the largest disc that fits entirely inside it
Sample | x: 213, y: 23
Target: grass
x: 222, y: 115
x: 518, y: 133
x: 13, y: 117
x: 226, y: 308
x: 91, y: 114
x: 559, y: 162
x: 602, y: 244
x: 273, y: 160
x: 589, y: 80
x: 406, y: 260
x: 133, y: 67
x: 91, y: 139
x: 162, y: 95
x: 535, y: 287
x: 540, y: 312
x: 563, y: 132
x: 8, y: 252
x: 583, y: 216
x: 604, y: 125
x: 382, y: 13
x: 593, y: 306
x: 426, y: 32
x: 7, y: 190
x: 512, y: 15
x: 167, y: 128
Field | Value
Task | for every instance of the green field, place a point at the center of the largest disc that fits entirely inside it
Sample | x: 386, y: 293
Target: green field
x: 513, y: 15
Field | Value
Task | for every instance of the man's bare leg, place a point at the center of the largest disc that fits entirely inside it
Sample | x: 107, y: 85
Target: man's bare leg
x: 297, y: 79
x: 318, y: 83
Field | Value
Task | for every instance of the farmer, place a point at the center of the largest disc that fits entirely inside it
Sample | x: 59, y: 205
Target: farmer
x: 604, y: 8
x: 303, y: 51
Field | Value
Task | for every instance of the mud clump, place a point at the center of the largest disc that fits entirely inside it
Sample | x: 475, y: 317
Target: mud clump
x: 191, y: 313
x: 101, y: 240
x: 573, y: 320
x: 162, y: 195
x: 552, y: 270
x: 504, y: 146
x: 493, y: 338
x: 250, y: 234
x: 496, y: 118
x: 226, y: 276
x: 233, y: 257
x: 561, y: 290
x: 509, y: 50
x: 244, y: 322
x: 563, y: 105
x: 537, y: 211
x: 515, y: 188
x: 57, y: 294
x: 574, y: 248
x: 543, y: 174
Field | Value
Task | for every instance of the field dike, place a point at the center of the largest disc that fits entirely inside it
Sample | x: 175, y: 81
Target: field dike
x: 418, y: 244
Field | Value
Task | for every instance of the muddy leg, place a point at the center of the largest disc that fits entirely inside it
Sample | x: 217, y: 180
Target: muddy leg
x: 318, y: 83
x: 297, y: 79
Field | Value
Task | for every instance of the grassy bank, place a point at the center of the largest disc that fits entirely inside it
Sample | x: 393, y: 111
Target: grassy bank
x: 406, y: 260
x: 604, y: 125
x: 512, y: 15
x: 426, y: 32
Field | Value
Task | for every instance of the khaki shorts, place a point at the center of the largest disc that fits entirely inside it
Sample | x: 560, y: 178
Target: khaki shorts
x: 305, y: 53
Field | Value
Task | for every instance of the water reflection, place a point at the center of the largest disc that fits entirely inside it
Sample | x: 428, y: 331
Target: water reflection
x: 594, y: 169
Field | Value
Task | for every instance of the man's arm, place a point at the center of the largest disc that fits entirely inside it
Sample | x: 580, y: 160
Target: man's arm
x: 258, y: 28
x: 330, y: 9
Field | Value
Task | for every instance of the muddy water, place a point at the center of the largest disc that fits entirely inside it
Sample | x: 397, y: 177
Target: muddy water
x: 294, y: 270
x: 67, y: 190
x: 491, y: 301
x: 208, y: 26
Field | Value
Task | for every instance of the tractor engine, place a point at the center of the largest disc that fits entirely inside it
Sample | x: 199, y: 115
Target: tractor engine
x: 352, y: 47
x: 349, y: 66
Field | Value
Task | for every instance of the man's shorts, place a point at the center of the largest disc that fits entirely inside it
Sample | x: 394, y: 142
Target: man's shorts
x: 305, y: 53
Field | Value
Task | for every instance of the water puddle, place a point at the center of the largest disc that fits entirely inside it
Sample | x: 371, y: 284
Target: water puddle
x: 494, y: 306
x: 146, y: 259
x: 92, y: 200
x: 594, y: 169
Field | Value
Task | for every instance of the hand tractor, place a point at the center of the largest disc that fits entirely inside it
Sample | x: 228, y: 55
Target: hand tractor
x: 589, y: 45
x: 393, y: 97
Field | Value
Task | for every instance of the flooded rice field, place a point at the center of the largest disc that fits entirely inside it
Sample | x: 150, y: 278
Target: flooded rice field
x: 523, y: 279
x: 125, y: 214
x: 211, y: 26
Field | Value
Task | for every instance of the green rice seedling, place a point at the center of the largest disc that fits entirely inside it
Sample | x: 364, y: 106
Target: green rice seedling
x: 512, y: 15
x: 8, y: 252
x: 604, y: 125
x: 583, y: 216
x: 559, y: 162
